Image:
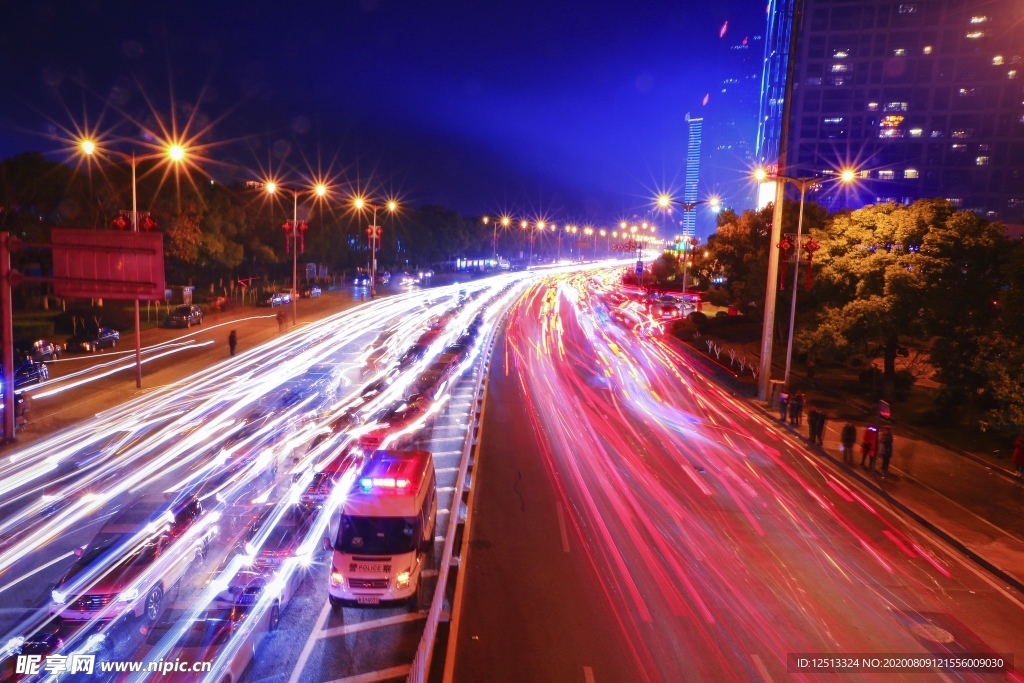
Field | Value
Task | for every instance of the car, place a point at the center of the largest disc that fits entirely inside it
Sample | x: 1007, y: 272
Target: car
x: 184, y: 316
x: 286, y: 297
x: 273, y: 537
x: 383, y: 278
x: 310, y: 292
x: 270, y: 299
x: 361, y: 280
x: 30, y: 373
x: 40, y: 350
x: 89, y: 342
x: 40, y: 643
x: 137, y: 556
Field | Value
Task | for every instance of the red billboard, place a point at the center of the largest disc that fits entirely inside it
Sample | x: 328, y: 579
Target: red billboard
x: 106, y: 264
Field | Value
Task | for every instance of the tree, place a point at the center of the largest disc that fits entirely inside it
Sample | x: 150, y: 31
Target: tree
x: 1001, y: 356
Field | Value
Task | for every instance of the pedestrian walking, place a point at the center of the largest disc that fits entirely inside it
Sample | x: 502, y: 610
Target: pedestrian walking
x: 867, y: 445
x: 232, y: 341
x: 1018, y: 455
x: 847, y: 438
x: 812, y: 422
x: 820, y: 431
x: 796, y: 407
x: 885, y: 449
x: 783, y: 405
x: 281, y: 321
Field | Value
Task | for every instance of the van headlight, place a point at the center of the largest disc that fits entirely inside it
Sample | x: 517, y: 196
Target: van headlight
x: 402, y: 580
x: 128, y: 595
x: 337, y: 579
x: 59, y: 597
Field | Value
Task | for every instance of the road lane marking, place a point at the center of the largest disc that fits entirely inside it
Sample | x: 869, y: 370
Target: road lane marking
x: 348, y: 629
x: 36, y: 570
x: 561, y: 528
x: 382, y: 675
x: 588, y: 674
x: 307, y: 649
x: 762, y: 669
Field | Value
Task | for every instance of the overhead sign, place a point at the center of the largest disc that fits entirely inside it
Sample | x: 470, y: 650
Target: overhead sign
x: 110, y: 265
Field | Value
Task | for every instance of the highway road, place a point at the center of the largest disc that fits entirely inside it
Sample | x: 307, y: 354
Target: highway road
x: 635, y: 521
x: 245, y: 435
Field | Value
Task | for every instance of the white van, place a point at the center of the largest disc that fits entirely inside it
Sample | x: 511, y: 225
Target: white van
x: 384, y: 533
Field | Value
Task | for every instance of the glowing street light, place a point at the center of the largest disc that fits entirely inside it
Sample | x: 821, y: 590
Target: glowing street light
x: 320, y: 190
x: 175, y: 152
x: 373, y: 233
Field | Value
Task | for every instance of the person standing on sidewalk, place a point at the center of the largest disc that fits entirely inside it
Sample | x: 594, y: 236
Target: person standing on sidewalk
x: 796, y: 407
x: 867, y: 446
x: 847, y: 438
x: 232, y: 341
x: 885, y: 450
x: 819, y: 428
x: 1018, y: 456
x: 282, y: 320
x: 783, y: 405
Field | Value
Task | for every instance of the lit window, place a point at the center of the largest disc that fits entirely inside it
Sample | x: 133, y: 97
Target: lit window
x: 955, y: 201
x: 981, y: 161
x: 910, y: 173
x: 967, y: 92
x: 927, y: 49
x: 839, y: 68
x: 936, y: 134
x: 975, y: 34
x: 872, y: 106
x: 962, y: 133
x: 983, y: 147
x: 895, y: 106
x: 891, y: 121
x: 837, y: 80
x: 814, y: 80
x: 833, y: 120
x: 1012, y: 73
x: 841, y: 54
x: 916, y: 132
x: 908, y: 8
x: 890, y: 133
x: 886, y: 175
x: 899, y: 52
x: 997, y: 60
x: 979, y: 19
x: 864, y: 174
x: 957, y: 147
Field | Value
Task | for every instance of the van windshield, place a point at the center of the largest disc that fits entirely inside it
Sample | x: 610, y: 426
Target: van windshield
x: 377, y: 535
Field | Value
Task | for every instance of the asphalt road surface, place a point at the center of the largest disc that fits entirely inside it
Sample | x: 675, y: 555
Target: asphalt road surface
x: 636, y: 522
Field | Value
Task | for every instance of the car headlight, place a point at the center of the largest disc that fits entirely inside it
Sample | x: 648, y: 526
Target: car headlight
x: 128, y: 595
x: 337, y: 579
x: 402, y: 580
x: 59, y: 597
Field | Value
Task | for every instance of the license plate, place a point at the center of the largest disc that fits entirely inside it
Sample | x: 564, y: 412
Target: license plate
x: 367, y: 600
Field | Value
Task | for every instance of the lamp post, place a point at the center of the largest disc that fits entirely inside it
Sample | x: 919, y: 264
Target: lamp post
x: 373, y: 235
x: 176, y: 153
x: 589, y: 232
x: 845, y: 176
x: 665, y: 202
x: 321, y: 191
x: 505, y: 221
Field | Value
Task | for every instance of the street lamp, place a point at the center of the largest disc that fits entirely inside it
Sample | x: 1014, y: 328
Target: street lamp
x: 176, y: 153
x: 665, y: 202
x: 846, y: 176
x: 373, y: 234
x: 505, y: 221
x: 320, y: 190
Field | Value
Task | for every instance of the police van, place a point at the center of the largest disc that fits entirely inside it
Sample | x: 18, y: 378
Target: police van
x: 384, y: 533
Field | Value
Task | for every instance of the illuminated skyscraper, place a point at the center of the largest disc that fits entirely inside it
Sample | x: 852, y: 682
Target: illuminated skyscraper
x: 926, y: 98
x: 696, y: 126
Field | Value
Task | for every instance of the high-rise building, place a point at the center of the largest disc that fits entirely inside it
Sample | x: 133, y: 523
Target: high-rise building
x: 925, y: 99
x: 690, y: 186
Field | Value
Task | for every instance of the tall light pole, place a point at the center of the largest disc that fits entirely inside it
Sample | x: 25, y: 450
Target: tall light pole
x: 666, y: 202
x: 176, y: 153
x: 505, y: 221
x: 373, y: 235
x: 845, y: 176
x: 320, y: 190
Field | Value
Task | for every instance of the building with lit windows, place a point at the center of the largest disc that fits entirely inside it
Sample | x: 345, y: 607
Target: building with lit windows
x: 925, y: 97
x: 690, y: 186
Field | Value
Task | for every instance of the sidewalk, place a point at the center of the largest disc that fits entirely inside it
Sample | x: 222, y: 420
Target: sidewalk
x: 976, y: 507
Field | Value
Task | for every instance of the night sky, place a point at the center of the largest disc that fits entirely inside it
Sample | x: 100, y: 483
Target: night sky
x: 568, y: 109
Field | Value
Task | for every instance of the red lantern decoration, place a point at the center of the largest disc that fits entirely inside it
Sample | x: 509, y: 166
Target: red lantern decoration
x: 120, y: 223
x: 810, y: 246
x: 785, y: 246
x: 148, y: 223
x: 287, y: 227
x: 302, y: 237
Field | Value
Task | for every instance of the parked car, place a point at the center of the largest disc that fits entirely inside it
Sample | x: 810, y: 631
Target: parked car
x: 30, y: 373
x: 361, y: 280
x: 104, y: 337
x: 310, y: 292
x: 286, y: 297
x: 384, y: 278
x: 270, y: 299
x: 39, y: 350
x: 184, y: 316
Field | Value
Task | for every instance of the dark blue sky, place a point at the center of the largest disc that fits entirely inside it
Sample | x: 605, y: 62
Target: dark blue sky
x: 571, y: 109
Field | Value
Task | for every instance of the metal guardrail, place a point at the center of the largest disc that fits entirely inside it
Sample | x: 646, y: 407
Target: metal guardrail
x: 420, y: 668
